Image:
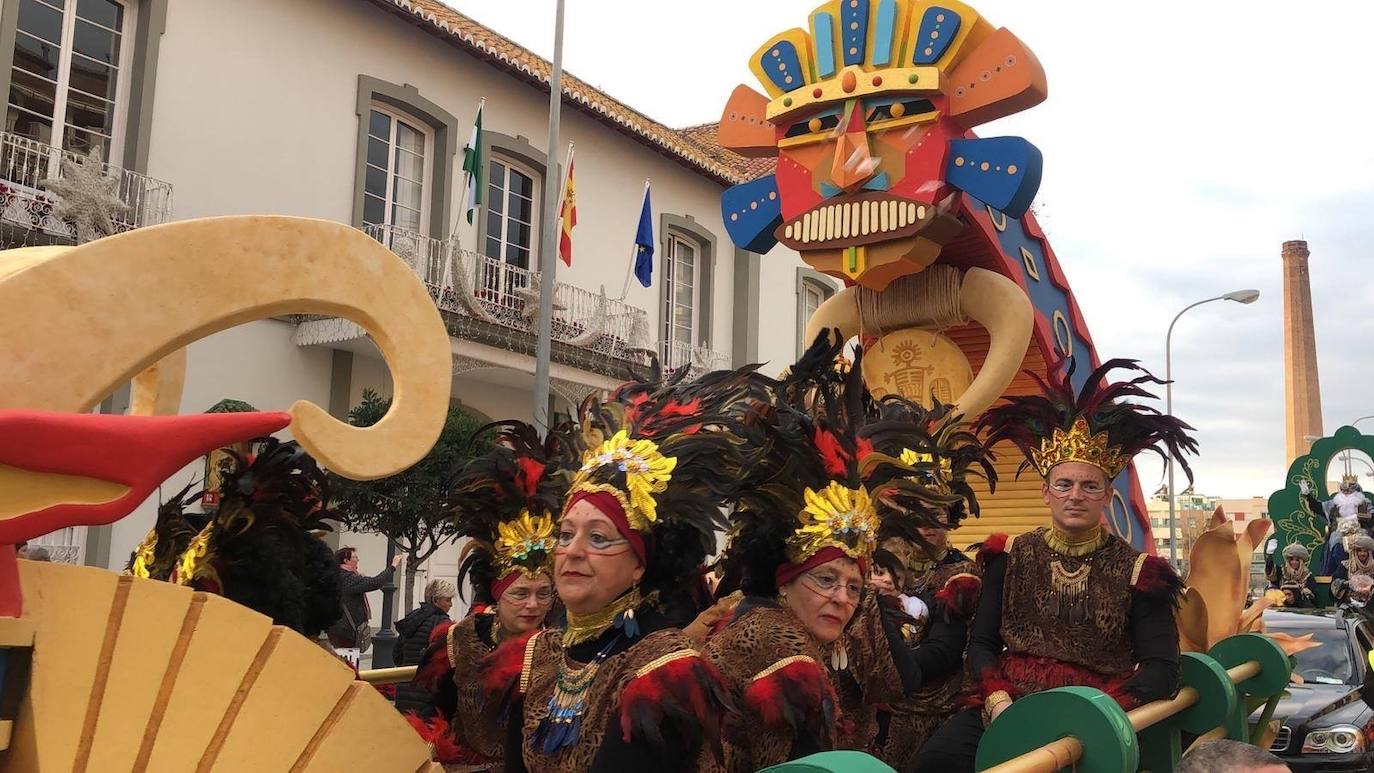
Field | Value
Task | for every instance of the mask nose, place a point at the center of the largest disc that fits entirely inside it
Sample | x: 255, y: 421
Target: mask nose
x: 853, y: 164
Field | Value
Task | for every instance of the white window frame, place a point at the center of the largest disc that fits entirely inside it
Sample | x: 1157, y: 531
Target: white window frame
x: 114, y: 152
x: 673, y: 241
x: 426, y: 194
x: 536, y: 190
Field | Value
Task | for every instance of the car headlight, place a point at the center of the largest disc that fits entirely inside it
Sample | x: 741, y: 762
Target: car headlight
x: 1337, y: 739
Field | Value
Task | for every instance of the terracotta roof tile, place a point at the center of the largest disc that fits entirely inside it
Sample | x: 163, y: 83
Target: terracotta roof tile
x: 692, y: 146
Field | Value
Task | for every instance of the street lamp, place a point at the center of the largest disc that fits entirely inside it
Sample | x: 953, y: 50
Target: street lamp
x: 1239, y: 296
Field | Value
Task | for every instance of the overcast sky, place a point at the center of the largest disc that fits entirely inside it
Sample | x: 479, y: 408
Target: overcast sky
x: 1183, y: 144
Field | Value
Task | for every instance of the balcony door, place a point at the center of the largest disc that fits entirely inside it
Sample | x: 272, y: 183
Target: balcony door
x: 681, y: 301
x: 512, y: 206
x: 68, y: 83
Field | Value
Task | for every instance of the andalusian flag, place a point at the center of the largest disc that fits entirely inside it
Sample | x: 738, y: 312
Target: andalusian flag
x: 472, y: 163
x: 568, y: 213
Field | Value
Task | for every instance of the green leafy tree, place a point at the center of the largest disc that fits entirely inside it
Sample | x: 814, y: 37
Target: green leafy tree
x: 408, y: 507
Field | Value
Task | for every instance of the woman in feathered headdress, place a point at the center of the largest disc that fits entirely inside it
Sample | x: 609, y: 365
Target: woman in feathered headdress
x: 1070, y: 603
x: 620, y: 687
x: 923, y: 572
x: 810, y: 654
x: 504, y: 503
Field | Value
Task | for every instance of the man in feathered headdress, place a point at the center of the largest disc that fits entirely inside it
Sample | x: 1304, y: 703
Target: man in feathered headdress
x: 1071, y: 604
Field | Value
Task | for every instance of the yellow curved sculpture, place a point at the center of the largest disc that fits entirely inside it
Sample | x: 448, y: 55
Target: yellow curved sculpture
x: 95, y: 316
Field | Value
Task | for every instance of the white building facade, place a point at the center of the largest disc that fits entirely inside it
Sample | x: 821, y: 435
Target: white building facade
x: 357, y: 111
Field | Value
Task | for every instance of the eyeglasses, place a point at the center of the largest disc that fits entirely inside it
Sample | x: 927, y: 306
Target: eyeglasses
x: 1090, y: 489
x: 594, y: 541
x: 521, y: 595
x: 827, y: 584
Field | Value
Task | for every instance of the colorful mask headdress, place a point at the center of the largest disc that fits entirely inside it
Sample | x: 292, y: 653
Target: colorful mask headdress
x: 824, y: 489
x: 259, y: 548
x: 1096, y: 424
x: 157, y: 556
x: 505, y: 502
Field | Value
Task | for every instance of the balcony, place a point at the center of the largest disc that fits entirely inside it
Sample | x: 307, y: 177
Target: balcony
x: 26, y: 207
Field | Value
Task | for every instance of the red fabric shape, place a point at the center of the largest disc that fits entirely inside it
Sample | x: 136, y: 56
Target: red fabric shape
x: 1156, y: 576
x: 990, y: 682
x: 833, y: 454
x: 437, y: 733
x: 1041, y: 673
x: 11, y: 599
x: 528, y: 473
x: 994, y: 545
x: 789, y: 572
x: 500, y: 672
x: 434, y: 667
x: 688, y: 692
x: 611, y: 508
x: 139, y: 452
x: 799, y: 697
x: 500, y: 585
x: 960, y: 595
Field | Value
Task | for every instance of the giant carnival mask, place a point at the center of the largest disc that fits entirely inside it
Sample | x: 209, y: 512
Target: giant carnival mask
x: 869, y: 115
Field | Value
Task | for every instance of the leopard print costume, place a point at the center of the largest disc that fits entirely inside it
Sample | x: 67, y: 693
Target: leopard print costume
x: 542, y: 655
x: 912, y: 719
x: 471, y: 728
x: 1073, y: 609
x: 763, y: 639
x: 754, y: 642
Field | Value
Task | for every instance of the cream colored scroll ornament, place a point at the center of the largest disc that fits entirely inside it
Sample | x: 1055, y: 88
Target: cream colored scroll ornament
x: 80, y: 321
x: 934, y: 299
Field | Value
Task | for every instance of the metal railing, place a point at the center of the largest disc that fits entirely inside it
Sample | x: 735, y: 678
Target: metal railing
x: 26, y: 164
x: 677, y: 354
x: 483, y: 289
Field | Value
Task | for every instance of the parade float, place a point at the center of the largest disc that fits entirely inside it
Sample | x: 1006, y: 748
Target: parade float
x: 956, y: 295
x: 869, y: 114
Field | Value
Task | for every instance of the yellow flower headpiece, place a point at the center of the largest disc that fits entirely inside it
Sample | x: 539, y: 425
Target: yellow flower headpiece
x: 525, y: 543
x: 943, y: 472
x: 1079, y: 444
x: 836, y: 516
x: 647, y: 473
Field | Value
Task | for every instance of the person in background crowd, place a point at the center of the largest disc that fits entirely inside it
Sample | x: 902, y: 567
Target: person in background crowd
x: 414, y: 631
x: 353, y: 629
x: 1293, y: 576
x: 1226, y: 756
x: 36, y: 553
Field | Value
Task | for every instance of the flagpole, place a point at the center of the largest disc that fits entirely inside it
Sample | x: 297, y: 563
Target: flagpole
x: 548, y: 263
x: 634, y: 252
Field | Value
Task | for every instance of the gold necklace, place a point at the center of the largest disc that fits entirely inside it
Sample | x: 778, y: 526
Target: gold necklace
x: 1076, y: 545
x: 582, y: 628
x: 925, y: 564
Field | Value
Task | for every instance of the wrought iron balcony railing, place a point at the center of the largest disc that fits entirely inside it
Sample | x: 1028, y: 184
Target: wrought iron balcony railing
x: 497, y: 302
x: 26, y: 164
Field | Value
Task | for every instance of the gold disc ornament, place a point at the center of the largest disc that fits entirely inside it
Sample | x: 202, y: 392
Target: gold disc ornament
x: 915, y: 364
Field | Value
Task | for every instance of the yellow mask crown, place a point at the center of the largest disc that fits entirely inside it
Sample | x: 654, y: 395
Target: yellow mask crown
x: 647, y: 473
x: 1079, y: 444
x: 525, y: 543
x: 945, y: 470
x: 835, y: 516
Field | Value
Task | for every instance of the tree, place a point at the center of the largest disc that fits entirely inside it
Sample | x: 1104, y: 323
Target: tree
x: 408, y: 507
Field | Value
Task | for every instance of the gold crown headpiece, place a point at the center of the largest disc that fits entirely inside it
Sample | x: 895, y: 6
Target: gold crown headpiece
x: 836, y: 516
x: 646, y: 471
x: 1079, y: 444
x: 938, y: 471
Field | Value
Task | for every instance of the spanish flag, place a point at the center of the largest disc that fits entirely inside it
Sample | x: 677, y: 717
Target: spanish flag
x: 568, y: 214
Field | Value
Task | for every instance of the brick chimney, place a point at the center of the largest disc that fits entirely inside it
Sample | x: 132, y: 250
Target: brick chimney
x: 1302, y: 390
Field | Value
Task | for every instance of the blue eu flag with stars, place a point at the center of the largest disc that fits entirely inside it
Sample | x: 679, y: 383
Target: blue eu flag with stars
x: 644, y: 244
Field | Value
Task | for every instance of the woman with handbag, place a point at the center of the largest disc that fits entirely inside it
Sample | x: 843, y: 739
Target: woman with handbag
x: 353, y: 629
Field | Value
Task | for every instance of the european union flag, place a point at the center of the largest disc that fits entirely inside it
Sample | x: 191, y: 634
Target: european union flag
x: 644, y: 244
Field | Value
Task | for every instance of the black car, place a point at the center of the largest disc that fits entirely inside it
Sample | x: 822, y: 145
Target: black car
x: 1326, y: 724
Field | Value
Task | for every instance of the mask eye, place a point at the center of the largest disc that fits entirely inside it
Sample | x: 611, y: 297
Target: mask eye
x: 814, y: 125
x: 899, y: 109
